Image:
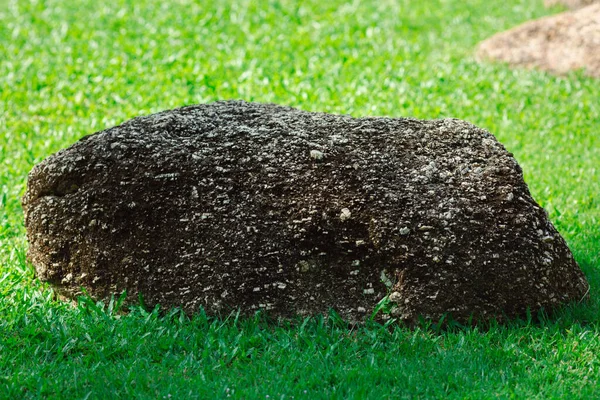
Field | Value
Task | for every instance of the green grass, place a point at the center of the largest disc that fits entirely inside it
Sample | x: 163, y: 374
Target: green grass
x: 68, y: 69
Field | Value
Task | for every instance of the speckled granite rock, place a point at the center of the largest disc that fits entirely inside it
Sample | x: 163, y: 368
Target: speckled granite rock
x: 240, y: 205
x: 558, y: 44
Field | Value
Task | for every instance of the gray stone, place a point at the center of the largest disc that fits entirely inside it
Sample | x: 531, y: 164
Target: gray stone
x: 235, y: 205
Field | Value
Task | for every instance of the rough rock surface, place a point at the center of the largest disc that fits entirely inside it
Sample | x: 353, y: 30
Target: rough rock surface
x: 558, y: 44
x: 241, y: 205
x: 573, y: 4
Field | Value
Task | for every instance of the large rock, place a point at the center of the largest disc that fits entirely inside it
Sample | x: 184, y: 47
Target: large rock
x: 558, y: 44
x: 240, y: 205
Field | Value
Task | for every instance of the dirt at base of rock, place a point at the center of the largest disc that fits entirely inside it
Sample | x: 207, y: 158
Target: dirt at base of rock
x: 236, y: 205
x: 559, y: 44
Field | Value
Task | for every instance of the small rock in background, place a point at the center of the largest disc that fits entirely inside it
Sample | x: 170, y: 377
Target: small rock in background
x: 223, y: 206
x: 558, y: 44
x: 572, y: 4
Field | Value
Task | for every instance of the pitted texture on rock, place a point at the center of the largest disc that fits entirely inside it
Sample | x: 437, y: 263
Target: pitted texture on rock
x: 241, y: 205
x: 561, y: 43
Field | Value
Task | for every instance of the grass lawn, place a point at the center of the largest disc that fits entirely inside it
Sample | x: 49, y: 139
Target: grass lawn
x: 68, y: 69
